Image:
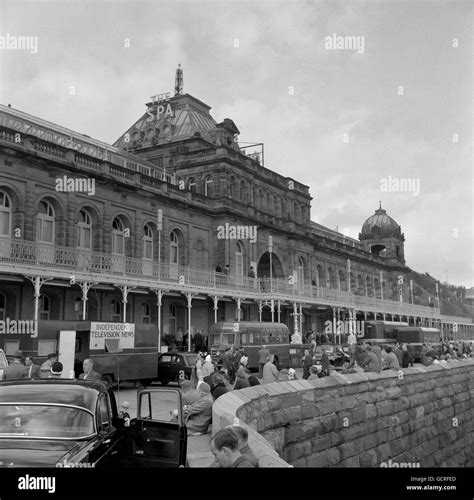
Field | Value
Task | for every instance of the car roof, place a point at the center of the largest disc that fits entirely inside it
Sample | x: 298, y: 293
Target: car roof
x: 59, y: 391
x: 186, y: 354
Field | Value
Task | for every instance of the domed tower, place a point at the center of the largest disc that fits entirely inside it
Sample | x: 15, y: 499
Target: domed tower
x: 382, y: 236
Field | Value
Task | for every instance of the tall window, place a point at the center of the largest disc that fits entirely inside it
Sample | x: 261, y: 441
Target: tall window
x: 78, y: 309
x: 84, y: 230
x: 148, y: 243
x: 192, y: 185
x: 3, y: 306
x: 146, y: 313
x: 115, y: 310
x: 208, y: 186
x: 174, y: 248
x: 243, y: 192
x: 45, y: 223
x: 296, y: 212
x: 268, y: 205
x: 5, y: 214
x: 118, y: 238
x: 301, y: 271
x: 44, y: 307
x: 239, y: 259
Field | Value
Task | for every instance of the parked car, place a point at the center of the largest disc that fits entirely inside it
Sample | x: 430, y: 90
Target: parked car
x: 175, y: 366
x: 71, y: 423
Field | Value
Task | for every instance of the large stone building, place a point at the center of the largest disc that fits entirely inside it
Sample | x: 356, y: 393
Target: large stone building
x: 81, y: 236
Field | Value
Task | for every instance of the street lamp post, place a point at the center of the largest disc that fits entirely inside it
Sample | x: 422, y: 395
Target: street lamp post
x: 159, y: 226
x: 270, y: 251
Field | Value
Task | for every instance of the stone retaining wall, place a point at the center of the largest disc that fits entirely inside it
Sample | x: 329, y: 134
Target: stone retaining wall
x: 419, y: 417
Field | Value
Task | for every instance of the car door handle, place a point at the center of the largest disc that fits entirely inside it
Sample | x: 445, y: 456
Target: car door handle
x: 107, y: 441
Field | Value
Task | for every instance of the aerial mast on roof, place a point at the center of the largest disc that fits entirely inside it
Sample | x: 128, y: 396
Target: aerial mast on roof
x: 178, y: 86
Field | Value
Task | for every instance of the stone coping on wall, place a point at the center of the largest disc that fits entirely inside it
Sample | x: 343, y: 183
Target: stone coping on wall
x: 231, y: 406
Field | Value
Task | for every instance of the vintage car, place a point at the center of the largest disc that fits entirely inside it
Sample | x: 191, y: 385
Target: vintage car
x: 71, y: 423
x: 175, y: 366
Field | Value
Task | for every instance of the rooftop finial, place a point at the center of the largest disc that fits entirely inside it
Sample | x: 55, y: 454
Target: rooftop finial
x: 178, y: 85
x: 380, y: 205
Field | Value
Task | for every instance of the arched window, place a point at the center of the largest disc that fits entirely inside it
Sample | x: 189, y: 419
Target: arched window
x: 369, y: 286
x: 147, y: 243
x: 44, y: 307
x: 118, y: 237
x: 174, y: 248
x: 239, y: 259
x: 146, y: 313
x: 276, y: 206
x: 45, y: 223
x: 84, y: 230
x: 320, y: 275
x: 232, y: 187
x: 301, y: 271
x: 377, y: 288
x: 283, y: 210
x: 192, y: 185
x: 115, y: 310
x: 331, y: 278
x: 296, y: 212
x: 208, y: 186
x: 3, y: 306
x: 342, y: 284
x: 5, y: 215
x: 243, y: 191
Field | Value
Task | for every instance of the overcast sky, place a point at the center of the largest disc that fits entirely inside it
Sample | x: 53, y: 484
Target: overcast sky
x: 265, y: 65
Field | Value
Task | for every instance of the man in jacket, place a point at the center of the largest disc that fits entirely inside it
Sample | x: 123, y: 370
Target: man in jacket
x: 16, y: 369
x: 225, y: 448
x: 270, y: 372
x: 377, y: 351
x: 89, y: 373
x: 198, y: 415
x: 263, y: 353
x: 33, y: 370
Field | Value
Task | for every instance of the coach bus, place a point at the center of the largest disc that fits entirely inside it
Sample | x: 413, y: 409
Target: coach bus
x: 383, y: 332
x: 251, y: 336
x: 120, y: 351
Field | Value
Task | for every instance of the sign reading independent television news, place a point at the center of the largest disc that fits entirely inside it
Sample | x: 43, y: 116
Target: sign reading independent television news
x: 100, y: 332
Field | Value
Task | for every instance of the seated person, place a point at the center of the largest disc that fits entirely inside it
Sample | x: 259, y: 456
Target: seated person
x: 190, y: 394
x: 244, y: 448
x: 198, y: 415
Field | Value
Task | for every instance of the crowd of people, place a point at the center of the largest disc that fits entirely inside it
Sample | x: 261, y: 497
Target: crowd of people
x: 179, y: 341
x: 24, y: 367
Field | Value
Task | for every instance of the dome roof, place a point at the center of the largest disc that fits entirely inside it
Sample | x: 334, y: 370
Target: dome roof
x: 380, y: 224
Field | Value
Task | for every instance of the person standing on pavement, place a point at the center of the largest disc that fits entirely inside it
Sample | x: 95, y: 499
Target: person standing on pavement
x: 270, y: 372
x: 263, y: 354
x: 307, y: 363
x: 179, y: 339
x: 207, y: 368
x: 45, y: 368
x: 198, y: 339
x: 16, y: 369
x: 33, y: 370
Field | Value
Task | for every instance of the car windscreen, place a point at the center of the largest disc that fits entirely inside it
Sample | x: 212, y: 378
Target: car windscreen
x: 44, y: 421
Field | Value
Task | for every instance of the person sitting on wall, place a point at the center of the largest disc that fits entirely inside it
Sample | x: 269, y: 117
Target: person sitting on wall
x: 292, y: 374
x: 283, y: 376
x: 307, y: 363
x: 218, y: 385
x: 198, y: 415
x: 241, y: 381
x: 56, y: 370
x: 314, y: 372
x: 390, y: 361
